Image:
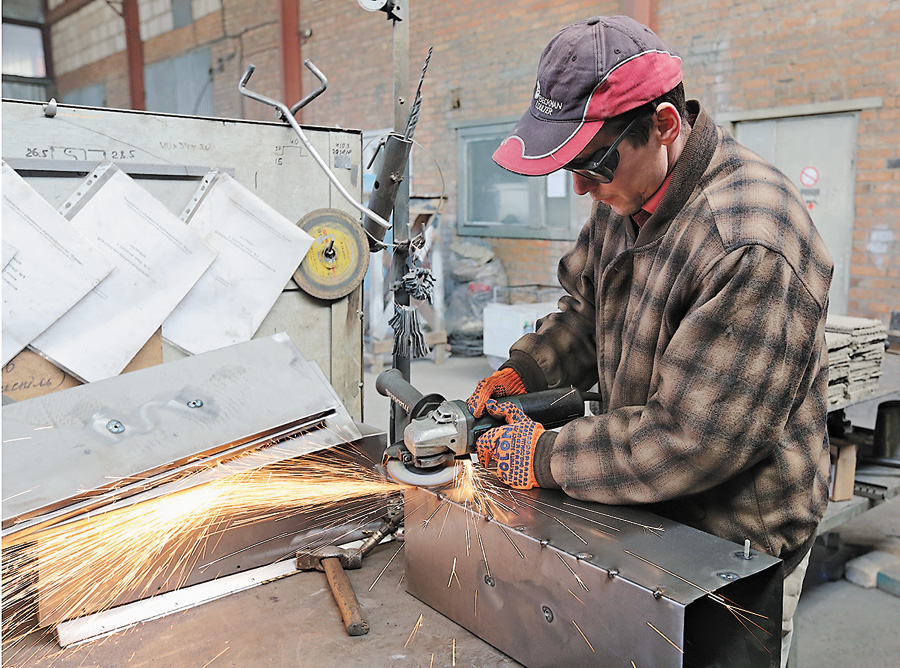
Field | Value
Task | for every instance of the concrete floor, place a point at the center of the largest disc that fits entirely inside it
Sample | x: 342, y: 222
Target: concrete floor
x: 294, y: 622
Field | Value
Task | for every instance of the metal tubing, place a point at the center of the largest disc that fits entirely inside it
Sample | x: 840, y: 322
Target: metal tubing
x: 323, y: 84
x: 289, y: 117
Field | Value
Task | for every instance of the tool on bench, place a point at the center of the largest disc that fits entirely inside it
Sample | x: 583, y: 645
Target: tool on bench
x: 333, y: 561
x: 442, y: 431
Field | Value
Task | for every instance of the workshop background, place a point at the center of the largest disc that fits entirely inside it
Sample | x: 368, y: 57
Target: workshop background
x: 782, y: 76
x: 811, y: 87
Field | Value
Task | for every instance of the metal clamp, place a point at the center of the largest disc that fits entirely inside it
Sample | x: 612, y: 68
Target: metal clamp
x: 288, y: 115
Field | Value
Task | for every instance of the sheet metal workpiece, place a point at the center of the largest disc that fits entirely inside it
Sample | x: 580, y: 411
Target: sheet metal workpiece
x: 128, y: 440
x: 519, y: 592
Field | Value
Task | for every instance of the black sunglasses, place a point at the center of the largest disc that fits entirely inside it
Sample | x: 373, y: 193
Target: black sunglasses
x: 601, y: 165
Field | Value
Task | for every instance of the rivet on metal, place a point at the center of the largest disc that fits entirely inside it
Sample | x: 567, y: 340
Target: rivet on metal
x: 194, y: 403
x: 548, y: 613
x: 729, y: 576
x: 584, y: 556
x: 521, y: 528
x: 115, y: 426
x: 613, y: 573
x: 545, y: 543
x: 657, y: 593
x: 488, y: 580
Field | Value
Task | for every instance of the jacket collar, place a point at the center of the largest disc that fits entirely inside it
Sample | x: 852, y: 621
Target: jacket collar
x: 692, y: 163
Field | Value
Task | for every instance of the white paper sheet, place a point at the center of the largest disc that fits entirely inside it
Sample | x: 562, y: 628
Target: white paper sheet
x: 9, y: 252
x: 157, y: 261
x: 258, y: 249
x: 48, y: 266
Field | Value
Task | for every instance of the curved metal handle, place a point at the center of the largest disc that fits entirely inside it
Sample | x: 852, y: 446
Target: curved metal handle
x: 289, y: 117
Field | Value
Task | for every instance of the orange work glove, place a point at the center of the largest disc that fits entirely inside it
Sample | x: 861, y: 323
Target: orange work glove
x: 502, y: 383
x: 511, y: 445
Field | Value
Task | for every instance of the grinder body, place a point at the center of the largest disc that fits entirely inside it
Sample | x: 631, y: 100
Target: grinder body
x: 440, y: 431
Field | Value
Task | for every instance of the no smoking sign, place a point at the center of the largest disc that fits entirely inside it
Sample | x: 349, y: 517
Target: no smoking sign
x: 809, y: 176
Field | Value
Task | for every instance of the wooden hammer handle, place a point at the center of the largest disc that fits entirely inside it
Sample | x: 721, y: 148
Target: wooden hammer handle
x: 354, y: 618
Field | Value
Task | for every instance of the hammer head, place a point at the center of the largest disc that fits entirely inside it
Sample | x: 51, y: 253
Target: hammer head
x: 308, y: 560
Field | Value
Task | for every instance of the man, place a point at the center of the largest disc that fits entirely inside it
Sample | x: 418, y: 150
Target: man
x: 696, y: 300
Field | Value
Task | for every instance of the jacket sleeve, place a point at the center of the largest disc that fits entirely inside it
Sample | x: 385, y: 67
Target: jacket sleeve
x: 722, y: 393
x: 563, y: 349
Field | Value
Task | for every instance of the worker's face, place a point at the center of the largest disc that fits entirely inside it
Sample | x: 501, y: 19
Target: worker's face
x: 641, y: 170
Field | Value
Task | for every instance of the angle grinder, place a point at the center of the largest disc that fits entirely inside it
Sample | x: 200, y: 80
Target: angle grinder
x: 441, y: 431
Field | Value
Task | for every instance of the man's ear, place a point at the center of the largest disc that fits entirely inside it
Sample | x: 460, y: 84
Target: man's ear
x: 668, y: 123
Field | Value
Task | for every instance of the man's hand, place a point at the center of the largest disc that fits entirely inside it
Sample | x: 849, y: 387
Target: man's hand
x: 512, y: 445
x: 502, y: 383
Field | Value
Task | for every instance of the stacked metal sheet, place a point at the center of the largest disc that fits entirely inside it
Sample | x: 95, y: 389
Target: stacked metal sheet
x: 839, y: 348
x: 866, y: 352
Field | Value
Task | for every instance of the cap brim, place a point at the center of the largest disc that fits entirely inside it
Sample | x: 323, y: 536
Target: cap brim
x: 551, y: 145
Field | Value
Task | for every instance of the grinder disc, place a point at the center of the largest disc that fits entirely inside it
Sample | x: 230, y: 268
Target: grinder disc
x: 337, y: 260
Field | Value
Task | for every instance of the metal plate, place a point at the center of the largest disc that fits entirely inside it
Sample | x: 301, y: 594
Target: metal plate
x: 635, y: 591
x: 107, y: 434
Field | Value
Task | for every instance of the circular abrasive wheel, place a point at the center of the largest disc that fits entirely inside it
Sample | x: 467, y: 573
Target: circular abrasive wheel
x: 336, y: 262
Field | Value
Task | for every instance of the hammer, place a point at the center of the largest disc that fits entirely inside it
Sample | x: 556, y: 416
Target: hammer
x: 335, y: 560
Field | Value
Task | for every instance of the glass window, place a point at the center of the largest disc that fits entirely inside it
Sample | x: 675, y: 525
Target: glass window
x: 182, y: 14
x: 494, y: 202
x: 180, y: 85
x: 23, y: 51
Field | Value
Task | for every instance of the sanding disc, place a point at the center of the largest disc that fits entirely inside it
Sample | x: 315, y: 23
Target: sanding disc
x: 336, y: 262
x: 442, y: 475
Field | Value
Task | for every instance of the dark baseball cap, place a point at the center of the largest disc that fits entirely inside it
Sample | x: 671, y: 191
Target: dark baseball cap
x: 590, y: 71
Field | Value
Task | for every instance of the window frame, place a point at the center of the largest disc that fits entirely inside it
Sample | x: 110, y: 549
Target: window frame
x: 536, y: 227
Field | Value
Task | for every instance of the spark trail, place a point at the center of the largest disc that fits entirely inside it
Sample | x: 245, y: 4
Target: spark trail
x: 141, y: 549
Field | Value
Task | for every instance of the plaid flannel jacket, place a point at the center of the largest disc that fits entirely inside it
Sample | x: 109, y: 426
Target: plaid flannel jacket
x: 705, y: 333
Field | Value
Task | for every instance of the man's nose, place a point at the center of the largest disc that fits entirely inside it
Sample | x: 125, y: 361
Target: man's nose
x: 581, y: 184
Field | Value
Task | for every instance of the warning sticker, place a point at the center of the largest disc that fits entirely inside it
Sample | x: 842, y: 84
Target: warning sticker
x: 809, y: 176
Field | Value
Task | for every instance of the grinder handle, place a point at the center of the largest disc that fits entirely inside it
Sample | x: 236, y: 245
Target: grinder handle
x: 550, y: 408
x: 393, y: 385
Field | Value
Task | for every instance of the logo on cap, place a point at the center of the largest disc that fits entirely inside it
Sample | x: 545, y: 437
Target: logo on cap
x: 544, y: 104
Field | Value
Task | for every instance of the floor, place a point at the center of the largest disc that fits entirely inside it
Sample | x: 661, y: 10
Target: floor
x: 294, y: 622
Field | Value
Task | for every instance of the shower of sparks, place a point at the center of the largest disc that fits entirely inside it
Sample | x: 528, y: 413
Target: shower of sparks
x: 430, y: 517
x: 509, y: 538
x: 666, y: 637
x: 476, y: 603
x: 742, y: 615
x: 632, y: 665
x: 453, y: 662
x: 584, y: 636
x: 414, y: 631
x: 375, y: 581
x: 453, y: 575
x: 215, y: 657
x: 576, y: 596
x: 646, y: 527
x: 580, y: 581
x: 487, y: 567
x: 137, y: 550
x: 441, y: 532
x: 565, y: 526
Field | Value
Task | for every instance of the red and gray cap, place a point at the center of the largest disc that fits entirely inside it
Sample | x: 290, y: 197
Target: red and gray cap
x: 592, y: 70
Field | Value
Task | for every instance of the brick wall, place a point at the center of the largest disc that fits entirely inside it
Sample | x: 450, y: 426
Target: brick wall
x: 737, y: 56
x: 768, y: 53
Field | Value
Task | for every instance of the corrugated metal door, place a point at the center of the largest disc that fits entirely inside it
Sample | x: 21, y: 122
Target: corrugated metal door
x: 818, y: 153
